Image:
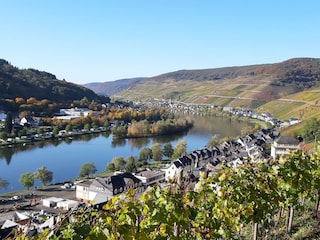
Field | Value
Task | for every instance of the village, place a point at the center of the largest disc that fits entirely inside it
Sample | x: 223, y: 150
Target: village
x: 37, y: 210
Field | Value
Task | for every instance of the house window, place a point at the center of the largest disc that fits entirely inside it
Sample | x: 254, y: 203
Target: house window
x: 115, y: 191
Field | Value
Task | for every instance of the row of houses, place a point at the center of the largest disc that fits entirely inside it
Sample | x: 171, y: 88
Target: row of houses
x: 232, y: 153
x: 64, y: 114
x: 265, y: 117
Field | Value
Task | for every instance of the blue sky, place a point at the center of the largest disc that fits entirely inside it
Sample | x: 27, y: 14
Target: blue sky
x: 85, y: 41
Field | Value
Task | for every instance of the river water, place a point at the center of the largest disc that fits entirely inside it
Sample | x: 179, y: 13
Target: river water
x: 65, y: 157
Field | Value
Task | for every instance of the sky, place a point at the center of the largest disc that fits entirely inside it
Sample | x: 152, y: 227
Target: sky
x: 84, y: 41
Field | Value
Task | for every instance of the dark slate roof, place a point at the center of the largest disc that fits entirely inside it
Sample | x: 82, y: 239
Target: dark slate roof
x: 177, y: 163
x: 185, y: 161
x: 287, y: 140
x: 115, y: 181
x: 120, y: 180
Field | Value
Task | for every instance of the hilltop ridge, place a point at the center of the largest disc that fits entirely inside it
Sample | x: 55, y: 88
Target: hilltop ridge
x: 26, y: 83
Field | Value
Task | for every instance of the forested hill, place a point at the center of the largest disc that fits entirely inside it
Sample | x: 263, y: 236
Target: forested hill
x: 26, y: 83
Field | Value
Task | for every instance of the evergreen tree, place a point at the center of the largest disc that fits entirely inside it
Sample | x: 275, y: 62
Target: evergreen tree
x: 8, y: 123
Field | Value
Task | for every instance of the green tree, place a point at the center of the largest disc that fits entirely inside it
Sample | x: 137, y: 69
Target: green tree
x: 27, y: 180
x: 55, y: 130
x: 110, y: 167
x: 311, y: 129
x: 106, y: 123
x: 119, y: 132
x: 3, y: 183
x: 3, y: 135
x: 87, y: 169
x: 156, y: 151
x: 118, y: 162
x: 130, y: 164
x: 43, y: 175
x: 87, y: 126
x: 145, y: 154
x: 179, y: 149
x: 168, y: 150
x: 68, y: 127
x: 40, y: 130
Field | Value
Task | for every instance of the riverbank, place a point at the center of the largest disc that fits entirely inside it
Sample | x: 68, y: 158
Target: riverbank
x: 23, y: 140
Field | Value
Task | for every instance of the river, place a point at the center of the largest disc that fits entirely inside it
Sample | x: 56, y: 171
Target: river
x: 65, y: 157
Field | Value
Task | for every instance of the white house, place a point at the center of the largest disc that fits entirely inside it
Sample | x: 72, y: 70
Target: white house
x: 102, y: 189
x: 67, y: 204
x: 284, y: 145
x: 51, y: 201
x: 180, y: 166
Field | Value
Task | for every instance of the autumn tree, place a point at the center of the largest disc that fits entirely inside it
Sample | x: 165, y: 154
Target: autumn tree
x: 214, y: 140
x: 20, y: 100
x: 32, y: 100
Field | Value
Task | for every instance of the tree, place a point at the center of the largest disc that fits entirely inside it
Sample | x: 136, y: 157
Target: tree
x: 311, y: 129
x: 87, y: 169
x: 68, y: 127
x: 43, y: 175
x: 8, y: 123
x: 3, y: 183
x: 130, y: 164
x: 118, y: 162
x: 168, y: 150
x: 214, y: 141
x: 27, y: 180
x: 145, y: 154
x: 179, y: 149
x: 55, y: 130
x: 156, y: 152
x: 87, y: 126
x: 110, y: 167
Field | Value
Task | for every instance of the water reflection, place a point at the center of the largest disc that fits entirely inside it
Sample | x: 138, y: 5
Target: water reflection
x: 118, y: 142
x: 138, y: 143
x: 8, y: 152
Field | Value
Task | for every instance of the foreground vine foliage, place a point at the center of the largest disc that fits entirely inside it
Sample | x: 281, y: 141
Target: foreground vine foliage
x: 223, y: 206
